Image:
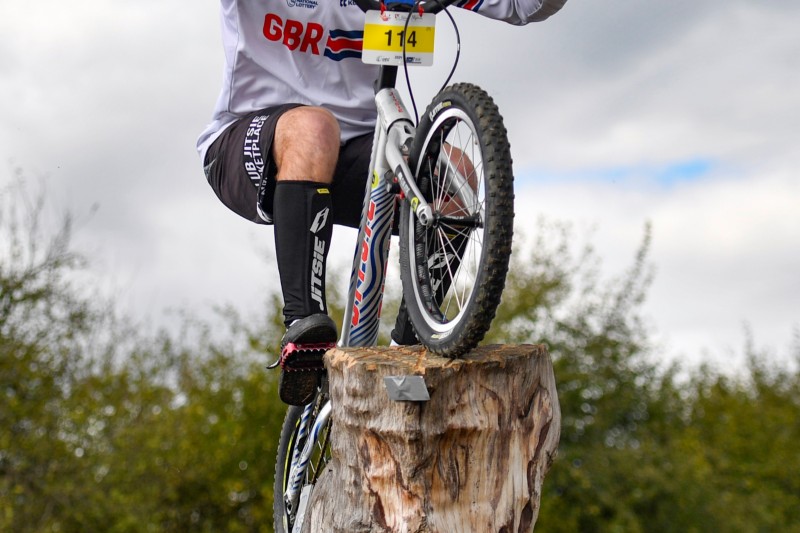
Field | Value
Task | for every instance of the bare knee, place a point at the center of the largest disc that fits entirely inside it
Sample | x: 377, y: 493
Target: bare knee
x: 306, y: 145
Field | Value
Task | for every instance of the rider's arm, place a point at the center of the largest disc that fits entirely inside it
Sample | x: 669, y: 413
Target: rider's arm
x: 514, y: 11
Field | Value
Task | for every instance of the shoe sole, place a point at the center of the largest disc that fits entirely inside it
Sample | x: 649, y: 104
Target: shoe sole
x: 304, y: 346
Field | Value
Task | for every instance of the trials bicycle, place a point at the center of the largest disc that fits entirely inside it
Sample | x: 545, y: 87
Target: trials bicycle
x: 449, y: 179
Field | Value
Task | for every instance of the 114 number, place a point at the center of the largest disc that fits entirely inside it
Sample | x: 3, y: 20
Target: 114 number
x: 412, y: 38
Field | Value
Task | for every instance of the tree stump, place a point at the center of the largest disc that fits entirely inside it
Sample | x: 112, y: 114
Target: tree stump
x: 472, y: 459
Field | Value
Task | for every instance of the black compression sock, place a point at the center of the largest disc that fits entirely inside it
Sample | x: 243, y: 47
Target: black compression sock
x: 303, y: 228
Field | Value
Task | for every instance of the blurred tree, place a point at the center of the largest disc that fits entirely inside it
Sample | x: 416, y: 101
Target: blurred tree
x: 641, y: 449
x: 42, y: 324
x: 106, y: 428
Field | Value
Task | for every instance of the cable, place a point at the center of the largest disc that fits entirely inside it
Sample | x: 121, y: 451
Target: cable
x: 458, y: 46
x: 414, y: 8
x: 405, y: 63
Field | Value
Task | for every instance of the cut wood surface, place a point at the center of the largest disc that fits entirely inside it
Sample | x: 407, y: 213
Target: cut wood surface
x: 473, y: 458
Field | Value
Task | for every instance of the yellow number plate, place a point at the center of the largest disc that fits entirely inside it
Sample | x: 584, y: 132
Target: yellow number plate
x: 385, y: 35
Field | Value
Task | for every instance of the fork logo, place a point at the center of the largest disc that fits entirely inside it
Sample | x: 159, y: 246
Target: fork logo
x: 440, y: 260
x: 319, y: 220
x: 439, y: 265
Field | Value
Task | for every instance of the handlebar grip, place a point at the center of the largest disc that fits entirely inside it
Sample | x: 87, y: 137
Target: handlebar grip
x: 429, y: 6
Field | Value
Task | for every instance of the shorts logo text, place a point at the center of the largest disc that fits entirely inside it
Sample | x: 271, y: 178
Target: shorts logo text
x: 253, y: 158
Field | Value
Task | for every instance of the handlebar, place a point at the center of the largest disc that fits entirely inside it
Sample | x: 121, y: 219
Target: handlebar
x: 429, y: 6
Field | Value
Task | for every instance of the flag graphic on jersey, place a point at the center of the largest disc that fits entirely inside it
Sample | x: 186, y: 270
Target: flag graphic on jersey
x: 343, y: 44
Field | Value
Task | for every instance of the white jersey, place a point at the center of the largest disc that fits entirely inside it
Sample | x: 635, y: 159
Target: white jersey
x: 309, y: 52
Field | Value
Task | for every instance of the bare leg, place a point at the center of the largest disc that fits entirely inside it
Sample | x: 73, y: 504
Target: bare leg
x: 306, y: 145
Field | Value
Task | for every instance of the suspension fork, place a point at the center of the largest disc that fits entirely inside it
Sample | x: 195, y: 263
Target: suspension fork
x: 400, y: 133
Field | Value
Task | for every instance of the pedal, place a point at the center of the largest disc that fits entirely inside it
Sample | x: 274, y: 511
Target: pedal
x: 304, y: 357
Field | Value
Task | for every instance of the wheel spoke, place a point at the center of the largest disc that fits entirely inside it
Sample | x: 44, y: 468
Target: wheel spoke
x: 454, y: 266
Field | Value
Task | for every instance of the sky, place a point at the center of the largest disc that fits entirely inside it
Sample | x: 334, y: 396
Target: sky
x: 681, y: 114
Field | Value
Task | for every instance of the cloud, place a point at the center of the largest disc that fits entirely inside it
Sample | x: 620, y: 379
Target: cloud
x: 725, y: 251
x: 682, y: 113
x: 603, y: 83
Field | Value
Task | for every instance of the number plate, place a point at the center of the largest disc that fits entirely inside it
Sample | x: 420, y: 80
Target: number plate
x: 385, y: 34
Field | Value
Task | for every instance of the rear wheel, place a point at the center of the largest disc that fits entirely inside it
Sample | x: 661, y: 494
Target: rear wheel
x: 454, y: 269
x: 294, y: 434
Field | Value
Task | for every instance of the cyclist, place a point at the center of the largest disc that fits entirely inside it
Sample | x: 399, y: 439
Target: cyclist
x: 290, y: 141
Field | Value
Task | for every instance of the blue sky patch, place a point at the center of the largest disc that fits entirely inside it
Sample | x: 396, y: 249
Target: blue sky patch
x: 665, y: 175
x: 683, y: 171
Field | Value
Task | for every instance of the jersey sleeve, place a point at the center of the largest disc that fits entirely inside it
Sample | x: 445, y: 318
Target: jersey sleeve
x: 517, y: 12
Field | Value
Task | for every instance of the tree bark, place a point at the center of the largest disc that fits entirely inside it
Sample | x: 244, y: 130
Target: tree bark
x: 473, y: 458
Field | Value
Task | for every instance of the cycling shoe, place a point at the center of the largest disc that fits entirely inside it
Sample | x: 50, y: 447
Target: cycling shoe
x: 302, y: 348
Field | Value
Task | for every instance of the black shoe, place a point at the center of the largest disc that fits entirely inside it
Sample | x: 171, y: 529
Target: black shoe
x: 302, y: 348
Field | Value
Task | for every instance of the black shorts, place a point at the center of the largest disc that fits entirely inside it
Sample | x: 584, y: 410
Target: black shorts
x: 239, y: 167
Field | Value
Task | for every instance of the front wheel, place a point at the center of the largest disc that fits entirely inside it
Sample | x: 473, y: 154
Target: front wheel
x: 454, y: 270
